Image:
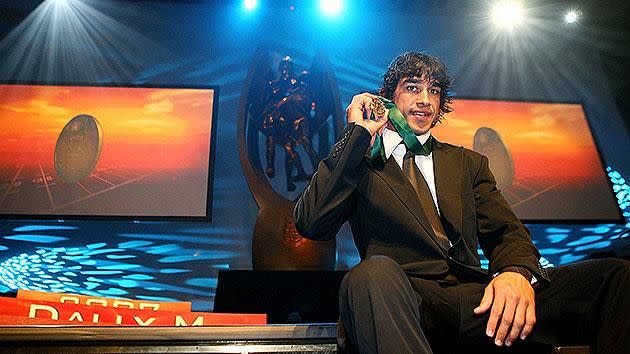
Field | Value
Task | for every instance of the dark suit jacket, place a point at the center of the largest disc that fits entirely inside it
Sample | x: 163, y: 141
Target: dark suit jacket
x: 386, y: 216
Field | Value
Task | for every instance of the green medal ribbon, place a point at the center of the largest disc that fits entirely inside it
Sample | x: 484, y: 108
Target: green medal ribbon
x: 377, y: 154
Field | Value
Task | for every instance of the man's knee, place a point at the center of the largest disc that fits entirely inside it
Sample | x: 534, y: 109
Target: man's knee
x: 376, y: 271
x: 612, y: 266
x: 620, y: 264
x: 619, y: 267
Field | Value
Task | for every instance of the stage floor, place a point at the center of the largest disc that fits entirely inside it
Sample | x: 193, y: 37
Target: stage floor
x: 304, y: 338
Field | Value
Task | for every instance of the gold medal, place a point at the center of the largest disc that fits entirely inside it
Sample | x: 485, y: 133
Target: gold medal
x: 378, y: 108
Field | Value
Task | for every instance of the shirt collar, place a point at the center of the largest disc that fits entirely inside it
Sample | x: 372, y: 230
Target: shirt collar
x: 391, y: 139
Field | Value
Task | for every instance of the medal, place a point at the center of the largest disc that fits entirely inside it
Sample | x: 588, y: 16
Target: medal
x: 378, y: 108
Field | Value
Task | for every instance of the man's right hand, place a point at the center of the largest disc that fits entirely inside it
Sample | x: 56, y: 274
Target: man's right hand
x: 359, y: 113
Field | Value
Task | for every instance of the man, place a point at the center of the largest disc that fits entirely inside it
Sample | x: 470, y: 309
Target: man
x: 417, y: 218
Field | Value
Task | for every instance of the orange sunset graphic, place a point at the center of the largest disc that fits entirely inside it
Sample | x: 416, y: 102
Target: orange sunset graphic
x: 557, y: 172
x: 152, y: 141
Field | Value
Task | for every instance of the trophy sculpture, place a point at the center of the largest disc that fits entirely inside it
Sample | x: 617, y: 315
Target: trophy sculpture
x: 288, y: 120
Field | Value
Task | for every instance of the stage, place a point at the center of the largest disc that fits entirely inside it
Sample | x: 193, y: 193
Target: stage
x: 304, y: 338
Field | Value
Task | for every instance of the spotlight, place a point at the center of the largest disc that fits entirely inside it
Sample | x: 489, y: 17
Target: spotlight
x: 249, y: 4
x: 331, y: 7
x: 61, y: 3
x: 572, y: 16
x: 507, y: 14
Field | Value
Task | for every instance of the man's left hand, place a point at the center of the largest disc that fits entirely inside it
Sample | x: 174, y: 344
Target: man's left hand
x: 511, y: 298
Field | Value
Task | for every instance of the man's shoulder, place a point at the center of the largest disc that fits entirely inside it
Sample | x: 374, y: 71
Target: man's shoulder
x: 470, y: 158
x: 463, y: 150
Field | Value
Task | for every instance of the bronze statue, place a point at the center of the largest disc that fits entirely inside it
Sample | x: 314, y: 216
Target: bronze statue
x: 288, y: 112
x: 302, y: 114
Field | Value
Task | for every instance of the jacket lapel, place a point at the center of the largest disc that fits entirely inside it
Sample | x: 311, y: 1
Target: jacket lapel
x: 447, y: 167
x: 394, y: 177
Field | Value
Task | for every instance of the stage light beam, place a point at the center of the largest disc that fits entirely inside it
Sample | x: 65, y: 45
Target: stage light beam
x: 572, y: 16
x: 61, y: 36
x: 61, y: 4
x: 250, y: 4
x: 507, y: 14
x: 331, y: 7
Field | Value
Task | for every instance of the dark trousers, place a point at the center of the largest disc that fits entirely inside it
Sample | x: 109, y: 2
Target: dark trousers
x: 385, y: 311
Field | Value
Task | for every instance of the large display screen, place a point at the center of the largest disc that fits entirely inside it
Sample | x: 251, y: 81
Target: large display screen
x: 103, y: 151
x: 543, y: 156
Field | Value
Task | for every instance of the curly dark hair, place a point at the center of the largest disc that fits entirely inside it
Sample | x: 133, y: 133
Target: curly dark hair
x: 422, y: 65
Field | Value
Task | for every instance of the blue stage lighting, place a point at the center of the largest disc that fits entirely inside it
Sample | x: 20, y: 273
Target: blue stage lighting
x: 250, y: 4
x: 331, y: 7
x: 62, y: 3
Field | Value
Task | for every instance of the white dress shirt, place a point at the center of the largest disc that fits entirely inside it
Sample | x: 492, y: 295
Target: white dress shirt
x: 394, y: 146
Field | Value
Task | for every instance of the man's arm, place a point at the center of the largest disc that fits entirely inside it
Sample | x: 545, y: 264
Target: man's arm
x: 504, y: 239
x: 508, y: 246
x: 327, y: 202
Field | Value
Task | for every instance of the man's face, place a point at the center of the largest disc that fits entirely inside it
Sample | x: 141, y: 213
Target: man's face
x: 419, y: 101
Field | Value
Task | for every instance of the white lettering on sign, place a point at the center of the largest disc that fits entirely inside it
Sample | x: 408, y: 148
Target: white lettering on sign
x: 76, y: 316
x: 32, y: 313
x: 179, y: 321
x: 144, y: 305
x: 72, y: 299
x: 118, y: 303
x: 101, y: 302
x: 147, y: 323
